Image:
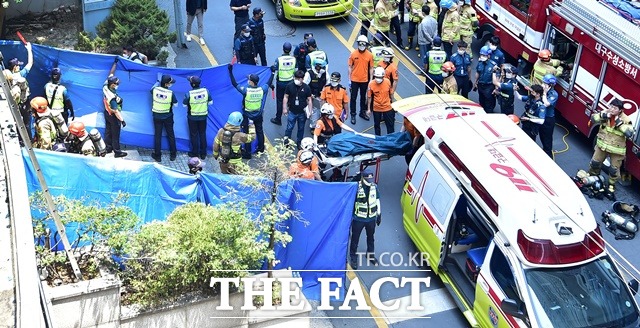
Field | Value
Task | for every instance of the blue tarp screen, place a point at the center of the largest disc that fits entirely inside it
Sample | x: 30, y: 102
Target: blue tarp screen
x: 319, y: 239
x: 85, y: 73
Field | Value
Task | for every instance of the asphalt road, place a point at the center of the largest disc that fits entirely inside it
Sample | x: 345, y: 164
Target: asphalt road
x: 337, y: 38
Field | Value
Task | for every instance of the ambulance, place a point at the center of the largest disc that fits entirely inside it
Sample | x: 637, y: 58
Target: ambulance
x: 508, y: 232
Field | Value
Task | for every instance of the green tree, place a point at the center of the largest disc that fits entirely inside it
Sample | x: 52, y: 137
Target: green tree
x: 140, y: 23
x: 102, y: 230
x: 169, y: 259
x: 269, y: 173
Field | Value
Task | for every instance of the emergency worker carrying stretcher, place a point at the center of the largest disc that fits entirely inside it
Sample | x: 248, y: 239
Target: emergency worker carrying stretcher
x: 328, y: 125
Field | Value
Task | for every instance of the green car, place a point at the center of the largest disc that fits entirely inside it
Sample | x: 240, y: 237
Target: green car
x: 304, y: 10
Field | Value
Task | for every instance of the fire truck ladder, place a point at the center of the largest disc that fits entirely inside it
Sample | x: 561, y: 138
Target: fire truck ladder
x: 53, y: 210
x: 603, y: 25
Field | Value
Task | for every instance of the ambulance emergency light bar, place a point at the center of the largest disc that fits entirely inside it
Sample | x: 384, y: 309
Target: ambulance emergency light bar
x: 544, y: 251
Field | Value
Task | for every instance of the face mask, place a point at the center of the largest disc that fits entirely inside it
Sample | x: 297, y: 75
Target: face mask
x: 125, y: 55
x: 482, y: 59
x: 378, y: 80
x: 297, y: 82
x: 246, y: 34
x: 445, y: 74
x: 362, y: 48
x: 508, y: 75
x: 493, y: 47
x: 461, y: 52
x: 460, y: 3
x: 115, y: 87
x: 331, y: 116
x: 321, y: 71
x: 387, y: 59
x: 334, y: 84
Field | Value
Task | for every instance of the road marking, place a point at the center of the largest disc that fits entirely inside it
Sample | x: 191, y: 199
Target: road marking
x: 355, y: 33
x: 377, y: 315
x: 206, y: 51
x: 433, y: 301
x: 349, y: 46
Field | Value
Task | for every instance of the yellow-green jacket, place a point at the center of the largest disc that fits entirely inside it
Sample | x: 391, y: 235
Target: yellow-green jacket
x: 613, y: 133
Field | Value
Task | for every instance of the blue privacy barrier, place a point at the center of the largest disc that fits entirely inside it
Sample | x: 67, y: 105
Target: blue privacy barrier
x: 320, y: 235
x: 85, y: 73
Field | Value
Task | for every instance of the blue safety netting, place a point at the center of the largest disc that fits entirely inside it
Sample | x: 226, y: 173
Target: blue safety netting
x: 85, y: 73
x: 320, y: 237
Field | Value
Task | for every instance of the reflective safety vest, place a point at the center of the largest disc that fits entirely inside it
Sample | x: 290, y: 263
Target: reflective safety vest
x: 317, y: 82
x: 451, y: 27
x: 366, y: 10
x: 433, y: 9
x: 198, y: 102
x: 286, y: 68
x: 377, y: 54
x: 468, y: 21
x: 436, y: 59
x: 57, y: 102
x: 366, y: 206
x: 382, y: 18
x: 416, y: 10
x: 540, y: 69
x: 317, y: 54
x: 612, y: 138
x: 253, y: 99
x: 161, y: 100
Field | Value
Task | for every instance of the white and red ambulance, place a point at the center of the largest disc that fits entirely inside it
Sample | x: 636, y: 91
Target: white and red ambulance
x: 509, y: 233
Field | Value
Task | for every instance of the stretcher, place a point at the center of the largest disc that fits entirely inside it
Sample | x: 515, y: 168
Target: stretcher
x: 348, y: 168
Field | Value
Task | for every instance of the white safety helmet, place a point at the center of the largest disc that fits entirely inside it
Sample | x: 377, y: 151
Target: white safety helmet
x: 307, y: 143
x: 378, y: 72
x: 388, y: 52
x: 306, y: 156
x: 327, y: 109
x: 362, y: 38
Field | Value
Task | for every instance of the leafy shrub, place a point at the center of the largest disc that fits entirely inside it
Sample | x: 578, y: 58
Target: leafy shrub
x: 140, y: 23
x: 102, y: 231
x: 85, y: 43
x: 169, y: 259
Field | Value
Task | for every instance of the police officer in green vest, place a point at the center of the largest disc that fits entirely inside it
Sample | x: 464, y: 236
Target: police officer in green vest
x: 433, y: 65
x: 197, y: 101
x: 285, y: 66
x: 163, y: 100
x: 252, y: 107
x: 366, y: 215
x: 58, y: 96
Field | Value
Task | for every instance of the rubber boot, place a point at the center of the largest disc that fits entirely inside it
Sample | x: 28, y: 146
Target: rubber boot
x: 409, y: 44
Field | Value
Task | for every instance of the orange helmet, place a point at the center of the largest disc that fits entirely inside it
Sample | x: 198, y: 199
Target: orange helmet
x: 514, y: 118
x: 40, y: 104
x: 448, y: 67
x: 544, y: 55
x: 77, y: 129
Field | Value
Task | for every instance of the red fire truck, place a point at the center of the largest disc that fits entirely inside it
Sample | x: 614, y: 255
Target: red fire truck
x: 600, y: 47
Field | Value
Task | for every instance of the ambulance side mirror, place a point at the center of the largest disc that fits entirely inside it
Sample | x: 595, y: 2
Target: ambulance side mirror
x: 633, y: 285
x: 513, y: 308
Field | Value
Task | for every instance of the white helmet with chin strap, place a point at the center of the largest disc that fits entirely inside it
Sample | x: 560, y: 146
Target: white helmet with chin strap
x: 327, y: 109
x: 378, y: 72
x: 307, y: 143
x: 362, y: 38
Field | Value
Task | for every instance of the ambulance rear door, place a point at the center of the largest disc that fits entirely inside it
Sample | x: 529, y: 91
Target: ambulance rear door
x: 430, y: 198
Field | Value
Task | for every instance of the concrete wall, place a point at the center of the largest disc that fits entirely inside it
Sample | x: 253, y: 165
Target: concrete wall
x: 37, y: 6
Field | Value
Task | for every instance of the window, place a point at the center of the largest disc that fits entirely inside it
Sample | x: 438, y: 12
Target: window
x: 501, y: 272
x: 564, y: 50
x: 522, y: 5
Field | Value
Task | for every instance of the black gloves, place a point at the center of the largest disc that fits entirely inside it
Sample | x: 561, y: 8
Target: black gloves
x: 379, y: 219
x: 273, y: 69
x: 230, y: 67
x: 604, y: 115
x: 123, y: 123
x: 115, y: 61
